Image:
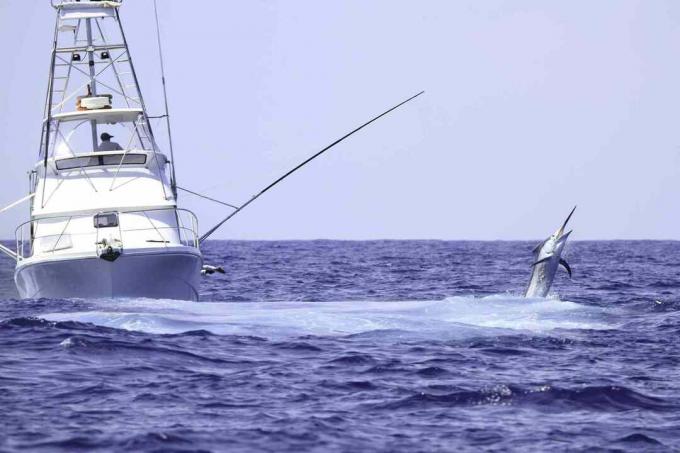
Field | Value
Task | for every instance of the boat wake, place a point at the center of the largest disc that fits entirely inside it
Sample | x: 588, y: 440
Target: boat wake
x: 451, y: 318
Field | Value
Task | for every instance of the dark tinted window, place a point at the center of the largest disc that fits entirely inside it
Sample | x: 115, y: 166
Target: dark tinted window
x: 77, y: 162
x: 130, y: 159
x: 105, y: 159
x: 106, y: 220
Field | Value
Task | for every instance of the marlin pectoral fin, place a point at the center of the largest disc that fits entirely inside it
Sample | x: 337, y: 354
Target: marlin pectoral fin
x: 541, y: 260
x: 566, y: 266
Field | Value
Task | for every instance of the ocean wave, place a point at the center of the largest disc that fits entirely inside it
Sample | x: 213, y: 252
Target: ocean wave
x: 545, y: 398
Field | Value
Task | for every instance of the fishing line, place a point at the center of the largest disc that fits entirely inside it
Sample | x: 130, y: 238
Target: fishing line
x: 207, y: 197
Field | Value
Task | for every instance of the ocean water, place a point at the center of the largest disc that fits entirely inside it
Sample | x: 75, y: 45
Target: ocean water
x: 357, y: 346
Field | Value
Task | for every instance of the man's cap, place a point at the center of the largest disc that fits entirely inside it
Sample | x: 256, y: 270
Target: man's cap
x: 106, y: 136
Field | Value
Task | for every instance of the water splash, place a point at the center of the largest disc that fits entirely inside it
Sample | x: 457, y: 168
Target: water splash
x: 454, y: 317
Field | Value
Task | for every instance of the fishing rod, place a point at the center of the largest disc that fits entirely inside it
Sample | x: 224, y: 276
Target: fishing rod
x: 299, y: 166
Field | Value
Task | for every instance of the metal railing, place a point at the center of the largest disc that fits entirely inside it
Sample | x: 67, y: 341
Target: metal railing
x: 56, y: 3
x: 186, y: 229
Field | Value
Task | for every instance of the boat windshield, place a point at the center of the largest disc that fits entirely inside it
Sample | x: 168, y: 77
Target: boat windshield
x: 101, y: 160
x: 116, y: 129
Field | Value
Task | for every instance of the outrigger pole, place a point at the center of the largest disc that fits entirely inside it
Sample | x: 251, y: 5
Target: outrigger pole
x: 8, y: 252
x: 45, y: 137
x: 263, y: 191
x: 173, y: 177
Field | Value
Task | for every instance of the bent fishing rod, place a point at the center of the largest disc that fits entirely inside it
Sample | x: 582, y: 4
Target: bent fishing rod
x: 299, y: 166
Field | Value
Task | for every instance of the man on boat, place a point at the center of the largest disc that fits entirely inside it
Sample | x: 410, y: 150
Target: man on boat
x: 107, y: 144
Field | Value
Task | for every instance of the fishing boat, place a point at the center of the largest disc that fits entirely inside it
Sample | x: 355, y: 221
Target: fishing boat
x: 104, y: 220
x: 104, y: 216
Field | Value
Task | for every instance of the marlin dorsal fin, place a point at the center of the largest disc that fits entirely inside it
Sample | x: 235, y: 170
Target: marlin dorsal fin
x: 538, y: 247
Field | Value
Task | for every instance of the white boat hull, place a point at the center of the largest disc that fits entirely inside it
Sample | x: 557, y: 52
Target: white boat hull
x: 156, y: 274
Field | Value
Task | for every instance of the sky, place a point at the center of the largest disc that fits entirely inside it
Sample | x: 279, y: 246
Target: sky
x: 531, y: 107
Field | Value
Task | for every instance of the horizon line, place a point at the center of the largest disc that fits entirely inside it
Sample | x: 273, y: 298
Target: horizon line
x: 424, y: 240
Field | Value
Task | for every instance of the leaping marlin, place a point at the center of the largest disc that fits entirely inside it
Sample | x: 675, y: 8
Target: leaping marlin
x: 547, y: 258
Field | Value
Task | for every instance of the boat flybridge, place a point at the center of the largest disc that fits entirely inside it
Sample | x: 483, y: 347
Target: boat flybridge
x: 104, y: 220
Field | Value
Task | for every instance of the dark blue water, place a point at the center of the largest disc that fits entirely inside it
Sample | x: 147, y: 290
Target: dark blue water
x: 357, y: 346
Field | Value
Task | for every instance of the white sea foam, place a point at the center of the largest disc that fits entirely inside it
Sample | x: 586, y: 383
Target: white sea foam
x: 454, y: 317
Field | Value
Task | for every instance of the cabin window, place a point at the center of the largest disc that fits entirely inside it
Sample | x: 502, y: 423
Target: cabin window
x: 106, y: 220
x: 100, y: 160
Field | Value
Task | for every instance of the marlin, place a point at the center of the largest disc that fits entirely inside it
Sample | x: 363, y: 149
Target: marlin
x: 547, y: 258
